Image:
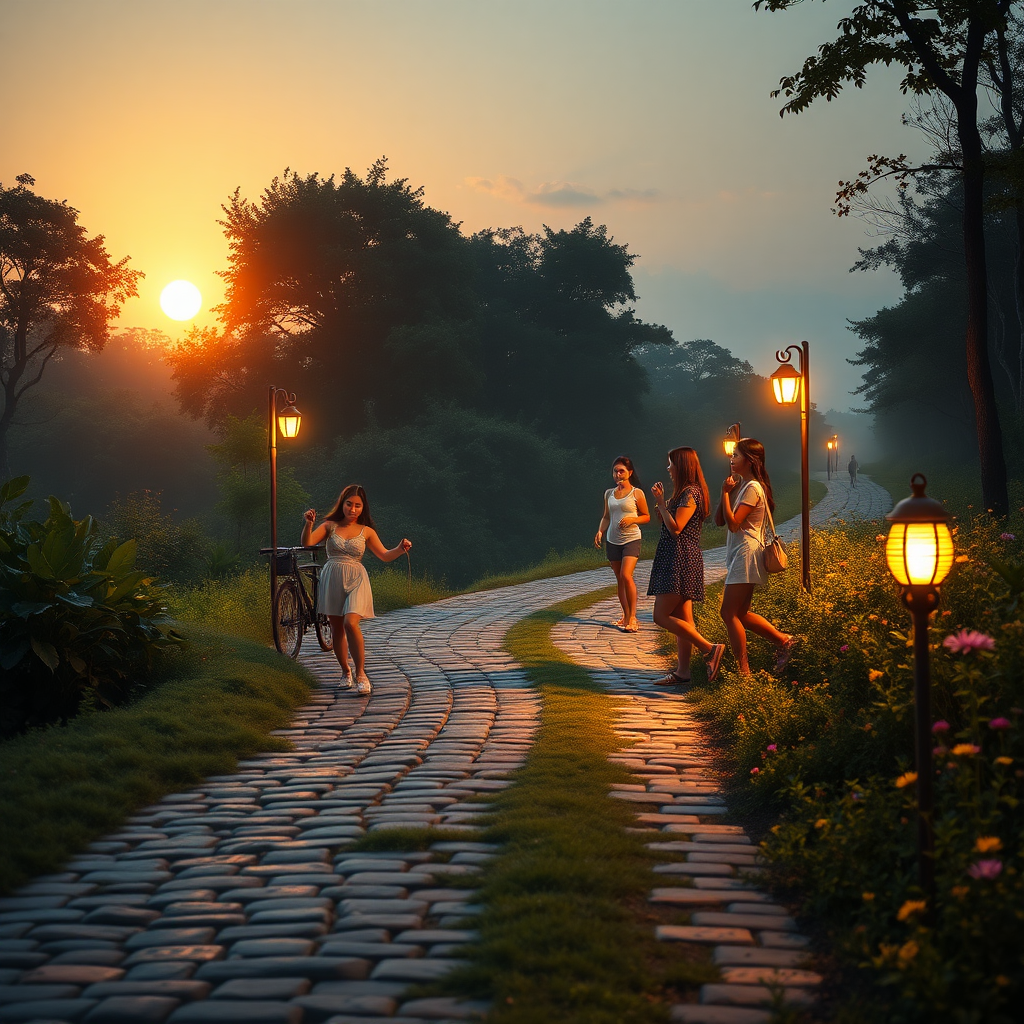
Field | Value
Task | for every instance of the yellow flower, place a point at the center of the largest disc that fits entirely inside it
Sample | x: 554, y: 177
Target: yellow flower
x: 821, y: 823
x: 867, y: 897
x: 908, y: 951
x: 1004, y: 760
x: 910, y: 907
x: 961, y: 558
x: 988, y: 844
x: 875, y: 674
x: 965, y: 750
x: 906, y: 779
x: 960, y: 891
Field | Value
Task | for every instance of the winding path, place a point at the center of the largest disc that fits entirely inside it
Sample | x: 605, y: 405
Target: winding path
x: 226, y: 903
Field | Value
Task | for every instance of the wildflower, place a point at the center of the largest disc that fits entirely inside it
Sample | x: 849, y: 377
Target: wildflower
x: 961, y: 558
x: 772, y: 747
x: 906, y: 779
x: 821, y: 823
x: 966, y: 750
x: 740, y: 718
x: 1007, y: 536
x: 968, y: 640
x: 855, y: 629
x: 910, y: 907
x: 999, y: 723
x: 986, y: 869
x: 867, y: 897
x: 872, y: 618
x: 880, y: 538
x: 844, y: 648
x: 960, y: 891
x: 875, y: 674
x: 1005, y: 761
x: 907, y: 952
x: 941, y: 726
x: 868, y: 727
x: 988, y: 844
x: 755, y: 771
x: 940, y: 751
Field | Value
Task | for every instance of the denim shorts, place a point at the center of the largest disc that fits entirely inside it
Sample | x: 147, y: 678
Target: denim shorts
x: 617, y: 552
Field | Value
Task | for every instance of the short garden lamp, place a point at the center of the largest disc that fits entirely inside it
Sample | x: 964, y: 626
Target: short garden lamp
x: 919, y: 552
x: 732, y: 435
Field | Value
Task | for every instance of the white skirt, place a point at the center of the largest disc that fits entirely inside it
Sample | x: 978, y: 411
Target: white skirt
x: 744, y: 563
x: 344, y: 589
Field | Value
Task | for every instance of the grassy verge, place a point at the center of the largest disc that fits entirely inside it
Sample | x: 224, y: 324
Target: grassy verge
x: 567, y: 934
x: 64, y: 786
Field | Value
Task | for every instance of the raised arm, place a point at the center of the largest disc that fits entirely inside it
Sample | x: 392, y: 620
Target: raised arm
x: 311, y: 537
x: 674, y: 523
x: 733, y: 519
x: 603, y: 525
x: 383, y: 553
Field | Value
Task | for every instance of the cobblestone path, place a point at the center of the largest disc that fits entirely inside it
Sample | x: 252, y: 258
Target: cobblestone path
x: 754, y: 941
x: 237, y: 901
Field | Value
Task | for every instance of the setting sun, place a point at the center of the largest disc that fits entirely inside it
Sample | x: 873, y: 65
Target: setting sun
x: 181, y: 300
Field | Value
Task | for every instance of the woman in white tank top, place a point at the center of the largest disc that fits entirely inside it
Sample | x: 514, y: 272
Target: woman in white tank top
x: 625, y: 510
x: 746, y: 498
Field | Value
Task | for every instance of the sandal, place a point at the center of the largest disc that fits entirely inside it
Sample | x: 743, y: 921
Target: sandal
x: 633, y: 627
x: 785, y: 652
x: 713, y: 661
x: 672, y: 679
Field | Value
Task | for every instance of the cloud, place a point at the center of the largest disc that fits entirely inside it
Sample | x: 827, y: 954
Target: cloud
x: 558, y: 193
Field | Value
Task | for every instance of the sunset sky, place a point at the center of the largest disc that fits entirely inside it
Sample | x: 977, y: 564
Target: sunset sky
x: 652, y: 116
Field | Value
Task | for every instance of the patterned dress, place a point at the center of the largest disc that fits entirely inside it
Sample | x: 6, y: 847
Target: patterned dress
x: 678, y: 561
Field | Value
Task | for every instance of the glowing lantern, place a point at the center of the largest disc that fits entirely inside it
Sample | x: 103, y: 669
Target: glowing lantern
x: 919, y: 548
x: 289, y: 419
x: 786, y: 385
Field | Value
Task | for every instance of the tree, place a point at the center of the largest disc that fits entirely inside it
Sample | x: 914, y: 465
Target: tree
x: 58, y: 290
x: 942, y: 48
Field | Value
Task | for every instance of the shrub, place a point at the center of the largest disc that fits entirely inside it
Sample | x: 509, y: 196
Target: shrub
x: 77, y: 621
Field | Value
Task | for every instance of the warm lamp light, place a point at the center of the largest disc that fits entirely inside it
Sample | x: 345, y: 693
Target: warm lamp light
x: 289, y: 419
x: 786, y: 385
x: 919, y: 548
x: 732, y: 436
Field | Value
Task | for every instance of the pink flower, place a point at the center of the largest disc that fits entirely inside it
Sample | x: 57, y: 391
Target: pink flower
x: 774, y: 746
x: 999, y: 723
x: 968, y: 640
x: 755, y: 771
x: 940, y: 751
x: 986, y: 869
x: 844, y: 648
x: 1007, y: 536
x: 941, y: 726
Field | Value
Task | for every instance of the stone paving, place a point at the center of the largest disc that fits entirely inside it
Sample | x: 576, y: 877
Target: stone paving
x: 753, y: 941
x: 237, y: 901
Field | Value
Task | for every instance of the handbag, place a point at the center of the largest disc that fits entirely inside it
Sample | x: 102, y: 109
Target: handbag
x: 775, y: 557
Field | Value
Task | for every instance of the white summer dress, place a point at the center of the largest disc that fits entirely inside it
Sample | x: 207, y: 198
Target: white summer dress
x: 744, y: 549
x: 344, y: 585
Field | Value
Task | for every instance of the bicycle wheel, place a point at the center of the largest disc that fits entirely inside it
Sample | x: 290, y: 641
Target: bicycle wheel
x: 324, y: 636
x: 288, y: 621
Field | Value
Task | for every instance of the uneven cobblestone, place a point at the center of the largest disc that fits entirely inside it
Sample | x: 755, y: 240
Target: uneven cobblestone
x: 754, y: 941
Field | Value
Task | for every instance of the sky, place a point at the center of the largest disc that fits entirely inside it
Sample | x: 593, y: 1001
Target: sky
x: 653, y: 117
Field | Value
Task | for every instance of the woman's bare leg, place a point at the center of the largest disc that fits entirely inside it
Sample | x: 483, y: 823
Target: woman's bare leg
x: 762, y: 627
x: 670, y: 614
x: 340, y: 645
x: 627, y: 590
x: 617, y: 569
x: 735, y: 607
x: 355, y: 640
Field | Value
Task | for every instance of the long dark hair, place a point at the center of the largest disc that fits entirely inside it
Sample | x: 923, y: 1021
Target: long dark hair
x: 625, y: 460
x: 689, y: 474
x: 753, y: 451
x: 337, y: 516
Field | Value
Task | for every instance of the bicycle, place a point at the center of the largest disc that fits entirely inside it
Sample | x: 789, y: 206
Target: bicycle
x: 293, y: 604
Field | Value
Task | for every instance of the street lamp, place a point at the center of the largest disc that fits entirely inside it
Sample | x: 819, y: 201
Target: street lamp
x: 732, y: 435
x: 919, y: 553
x: 791, y: 385
x: 288, y: 419
x: 833, y: 455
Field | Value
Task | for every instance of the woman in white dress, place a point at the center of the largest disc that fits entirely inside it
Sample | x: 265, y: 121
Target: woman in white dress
x: 746, y: 500
x: 345, y: 596
x: 625, y: 509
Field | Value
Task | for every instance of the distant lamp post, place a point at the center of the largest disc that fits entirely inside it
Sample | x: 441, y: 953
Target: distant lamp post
x: 790, y: 386
x: 732, y: 435
x: 919, y: 552
x: 288, y: 420
x: 833, y: 455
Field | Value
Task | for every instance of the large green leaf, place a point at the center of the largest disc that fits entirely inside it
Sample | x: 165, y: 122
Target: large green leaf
x: 13, y: 488
x: 122, y: 560
x: 23, y: 609
x: 46, y: 653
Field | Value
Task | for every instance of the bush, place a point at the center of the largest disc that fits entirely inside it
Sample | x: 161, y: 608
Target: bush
x: 78, y: 623
x: 236, y: 605
x: 830, y: 747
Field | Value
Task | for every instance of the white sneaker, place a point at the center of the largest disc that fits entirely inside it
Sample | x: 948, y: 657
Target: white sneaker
x: 362, y: 683
x: 346, y: 681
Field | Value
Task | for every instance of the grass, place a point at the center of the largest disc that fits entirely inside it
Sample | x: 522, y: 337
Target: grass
x: 567, y: 934
x: 66, y: 785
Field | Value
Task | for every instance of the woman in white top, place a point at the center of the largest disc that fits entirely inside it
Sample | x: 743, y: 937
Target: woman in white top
x: 625, y: 510
x: 344, y: 595
x: 746, y: 500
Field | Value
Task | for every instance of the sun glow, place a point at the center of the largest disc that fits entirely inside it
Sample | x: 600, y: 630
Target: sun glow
x: 181, y: 300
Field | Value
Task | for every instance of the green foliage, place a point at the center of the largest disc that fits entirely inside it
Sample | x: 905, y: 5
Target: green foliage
x: 829, y: 746
x: 63, y: 786
x: 237, y: 605
x: 77, y: 620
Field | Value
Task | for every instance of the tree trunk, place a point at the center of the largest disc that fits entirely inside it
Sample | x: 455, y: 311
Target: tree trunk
x: 979, y: 369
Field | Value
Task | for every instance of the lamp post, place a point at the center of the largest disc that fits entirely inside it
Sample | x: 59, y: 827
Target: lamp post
x: 732, y: 435
x: 790, y: 386
x: 919, y: 553
x: 288, y: 419
x: 828, y: 468
x: 833, y: 455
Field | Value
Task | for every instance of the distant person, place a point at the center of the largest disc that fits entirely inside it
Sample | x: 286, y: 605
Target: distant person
x: 677, y: 575
x: 345, y: 596
x: 744, y: 508
x: 625, y: 511
x: 853, y: 466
